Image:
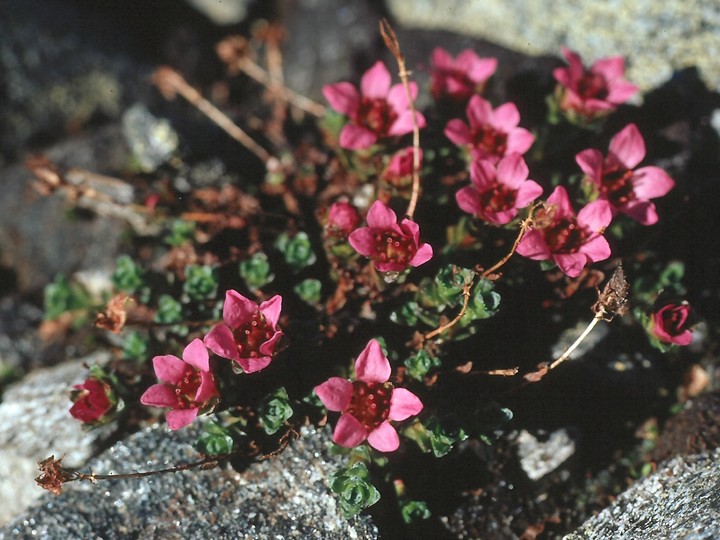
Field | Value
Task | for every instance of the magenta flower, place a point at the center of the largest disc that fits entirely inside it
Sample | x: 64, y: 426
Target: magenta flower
x: 572, y: 241
x: 491, y: 133
x: 249, y: 334
x: 391, y: 246
x: 91, y: 400
x: 671, y: 324
x: 461, y: 77
x: 186, y: 386
x: 342, y: 219
x: 593, y: 92
x: 628, y: 191
x: 378, y: 111
x: 369, y: 403
x: 496, y: 193
x: 398, y: 172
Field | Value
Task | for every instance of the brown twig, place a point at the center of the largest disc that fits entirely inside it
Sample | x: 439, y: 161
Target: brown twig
x: 392, y: 43
x: 524, y: 226
x: 446, y: 326
x: 170, y: 82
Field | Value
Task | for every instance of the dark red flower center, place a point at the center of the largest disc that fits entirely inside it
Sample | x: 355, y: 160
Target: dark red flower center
x: 617, y: 186
x: 499, y: 198
x: 187, y: 387
x: 673, y: 321
x: 250, y: 336
x: 490, y: 140
x: 91, y: 402
x: 394, y: 247
x: 370, y: 403
x: 592, y: 86
x: 464, y: 86
x: 565, y: 236
x: 376, y: 114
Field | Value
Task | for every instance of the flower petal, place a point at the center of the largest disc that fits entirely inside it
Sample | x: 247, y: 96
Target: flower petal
x: 207, y: 388
x: 349, y: 432
x: 179, y: 418
x: 397, y: 96
x: 441, y: 59
x: 268, y: 348
x: 381, y: 217
x: 384, y: 438
x: 611, y: 68
x: 533, y: 246
x: 354, y: 137
x: 371, y: 365
x: 237, y: 309
x: 590, y: 162
x: 270, y: 309
x: 169, y: 368
x: 253, y: 365
x: 596, y: 216
x: 335, y: 393
x: 196, y: 355
x: 571, y: 264
x: 519, y: 140
x: 467, y: 200
x: 560, y: 199
x: 220, y: 340
x: 506, y: 117
x: 644, y: 212
x: 342, y: 97
x: 363, y: 241
x: 375, y: 82
x: 512, y: 170
x: 482, y: 174
x: 596, y: 249
x: 527, y: 193
x: 458, y: 132
x: 423, y: 255
x: 404, y: 124
x: 628, y: 146
x: 479, y: 112
x: 651, y: 182
x: 159, y: 395
x: 404, y: 404
x: 620, y: 91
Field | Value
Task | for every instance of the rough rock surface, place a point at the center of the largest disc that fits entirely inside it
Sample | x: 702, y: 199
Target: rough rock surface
x: 656, y: 38
x: 681, y: 499
x: 284, y: 497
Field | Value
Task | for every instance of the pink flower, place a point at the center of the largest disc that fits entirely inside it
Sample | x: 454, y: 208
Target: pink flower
x: 91, y: 400
x: 186, y: 385
x: 496, y: 193
x: 461, y: 77
x: 628, y: 191
x: 250, y: 334
x: 590, y: 93
x: 571, y: 241
x: 398, y: 172
x: 671, y: 324
x: 378, y: 111
x: 491, y: 133
x: 391, y: 247
x: 368, y: 403
x: 342, y: 219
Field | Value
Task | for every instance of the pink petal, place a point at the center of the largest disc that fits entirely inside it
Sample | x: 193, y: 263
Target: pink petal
x: 571, y: 264
x: 375, y: 83
x: 591, y: 162
x: 527, y: 193
x: 349, y: 432
x: 404, y: 404
x: 478, y: 69
x: 423, y: 255
x: 458, y: 132
x: 237, y: 309
x: 363, y: 241
x: 644, y: 212
x: 519, y: 140
x: 220, y: 340
x: 651, y: 182
x: 479, y: 112
x: 397, y: 96
x: 482, y: 174
x: 506, y: 117
x: 354, y: 137
x: 683, y: 339
x: 410, y: 228
x: 179, y: 418
x: 342, y: 97
x: 381, y: 216
x: 335, y: 393
x: 611, y: 68
x: 384, y: 438
x: 621, y: 91
x: 562, y: 75
x: 575, y: 64
x: 371, y: 365
x: 270, y: 309
x: 196, y: 355
x: 501, y: 217
x: 207, y: 388
x: 596, y: 249
x: 628, y: 146
x: 268, y: 348
x: 559, y: 198
x: 442, y: 59
x: 169, y: 368
x: 253, y: 365
x: 467, y: 200
x: 596, y: 216
x: 533, y: 246
x: 159, y: 395
x: 403, y: 124
x: 512, y: 171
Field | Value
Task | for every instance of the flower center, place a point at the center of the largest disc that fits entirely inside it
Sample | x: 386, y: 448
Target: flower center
x: 463, y: 87
x: 376, y: 115
x: 250, y: 336
x: 618, y: 187
x: 392, y: 246
x: 499, y: 198
x: 187, y: 387
x: 370, y: 403
x: 673, y: 321
x: 490, y: 140
x: 592, y: 86
x: 565, y: 236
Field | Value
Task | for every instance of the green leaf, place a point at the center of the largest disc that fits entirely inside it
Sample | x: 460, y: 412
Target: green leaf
x: 420, y: 364
x: 412, y: 511
x: 297, y: 250
x: 135, y: 346
x: 180, y: 232
x: 275, y: 410
x: 169, y: 310
x: 215, y: 440
x: 128, y: 276
x: 255, y: 271
x: 309, y: 290
x: 200, y: 282
x: 355, y: 491
x: 62, y: 296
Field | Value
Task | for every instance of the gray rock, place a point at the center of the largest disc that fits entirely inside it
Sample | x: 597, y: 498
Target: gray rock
x: 152, y: 140
x: 222, y: 12
x: 281, y: 498
x: 539, y: 458
x: 19, y: 343
x: 656, y: 38
x: 679, y: 500
x: 35, y: 423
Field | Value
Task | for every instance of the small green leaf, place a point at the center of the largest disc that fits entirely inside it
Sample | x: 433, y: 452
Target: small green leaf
x: 135, y: 346
x: 255, y: 271
x: 275, y: 410
x: 297, y: 250
x: 215, y: 440
x: 62, y: 296
x: 412, y: 511
x: 169, y: 310
x: 355, y: 491
x: 180, y: 232
x: 200, y: 282
x: 309, y: 290
x: 128, y: 276
x: 420, y: 364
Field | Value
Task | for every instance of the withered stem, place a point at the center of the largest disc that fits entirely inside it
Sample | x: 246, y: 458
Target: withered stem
x: 466, y: 302
x: 564, y: 356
